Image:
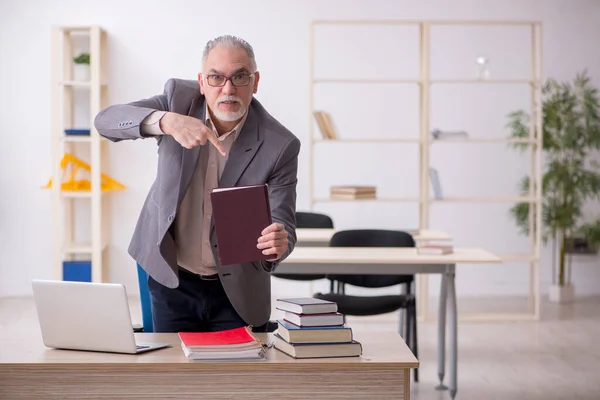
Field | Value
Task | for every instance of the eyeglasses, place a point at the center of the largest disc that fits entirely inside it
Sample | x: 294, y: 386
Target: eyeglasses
x: 221, y: 80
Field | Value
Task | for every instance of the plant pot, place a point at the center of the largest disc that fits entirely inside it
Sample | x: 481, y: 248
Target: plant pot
x: 561, y: 294
x: 81, y: 72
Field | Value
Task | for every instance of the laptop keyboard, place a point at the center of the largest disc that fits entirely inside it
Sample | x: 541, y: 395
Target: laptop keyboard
x: 140, y: 347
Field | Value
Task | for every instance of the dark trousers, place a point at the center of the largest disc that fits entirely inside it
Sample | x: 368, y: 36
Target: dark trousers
x: 196, y: 305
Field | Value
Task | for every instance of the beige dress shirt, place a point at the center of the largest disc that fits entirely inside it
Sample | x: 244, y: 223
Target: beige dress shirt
x: 192, y: 223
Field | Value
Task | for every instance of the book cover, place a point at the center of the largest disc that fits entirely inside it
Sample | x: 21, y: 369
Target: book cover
x: 314, y: 319
x: 318, y: 350
x: 314, y: 334
x: 434, y: 249
x: 236, y: 336
x: 306, y: 305
x: 240, y: 215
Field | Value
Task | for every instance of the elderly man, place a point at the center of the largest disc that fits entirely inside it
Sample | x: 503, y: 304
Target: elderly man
x: 210, y: 133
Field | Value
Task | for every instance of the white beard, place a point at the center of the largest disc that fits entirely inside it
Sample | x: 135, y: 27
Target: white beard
x: 229, y: 116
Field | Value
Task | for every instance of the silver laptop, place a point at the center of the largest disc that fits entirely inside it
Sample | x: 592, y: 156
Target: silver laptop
x: 86, y: 316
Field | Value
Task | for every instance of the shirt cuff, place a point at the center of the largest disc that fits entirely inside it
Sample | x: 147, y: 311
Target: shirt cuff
x: 151, y: 124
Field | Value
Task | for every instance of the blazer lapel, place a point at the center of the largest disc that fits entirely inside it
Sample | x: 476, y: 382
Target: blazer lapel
x: 243, y: 150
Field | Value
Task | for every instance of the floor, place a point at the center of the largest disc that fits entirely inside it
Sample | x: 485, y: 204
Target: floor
x: 555, y: 358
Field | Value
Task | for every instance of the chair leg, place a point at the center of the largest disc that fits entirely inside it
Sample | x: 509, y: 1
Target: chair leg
x: 408, y: 330
x: 415, y: 339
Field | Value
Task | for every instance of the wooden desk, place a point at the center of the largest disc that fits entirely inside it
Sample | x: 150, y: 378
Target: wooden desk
x: 321, y: 237
x: 29, y: 370
x: 397, y: 261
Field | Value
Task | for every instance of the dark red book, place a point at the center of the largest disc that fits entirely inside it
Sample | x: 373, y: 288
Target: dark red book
x: 240, y: 215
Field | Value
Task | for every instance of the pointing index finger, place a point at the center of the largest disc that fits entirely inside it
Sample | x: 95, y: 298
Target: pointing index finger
x: 217, y: 143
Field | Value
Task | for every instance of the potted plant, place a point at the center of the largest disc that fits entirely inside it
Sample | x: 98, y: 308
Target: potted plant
x: 81, y: 72
x: 570, y: 131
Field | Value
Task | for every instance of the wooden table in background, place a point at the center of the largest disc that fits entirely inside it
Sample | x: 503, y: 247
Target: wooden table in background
x: 321, y: 237
x: 28, y: 370
x: 308, y: 237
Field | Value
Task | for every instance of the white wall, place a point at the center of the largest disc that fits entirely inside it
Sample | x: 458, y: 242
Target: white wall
x: 151, y: 41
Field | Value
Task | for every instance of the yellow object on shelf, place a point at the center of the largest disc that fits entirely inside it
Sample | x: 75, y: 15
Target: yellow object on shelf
x: 83, y: 185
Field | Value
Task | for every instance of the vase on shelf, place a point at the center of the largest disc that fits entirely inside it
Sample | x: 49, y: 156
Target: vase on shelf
x: 561, y: 294
x: 483, y: 69
x: 81, y: 72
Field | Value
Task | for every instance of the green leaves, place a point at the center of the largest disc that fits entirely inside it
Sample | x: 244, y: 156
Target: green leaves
x: 570, y: 131
x: 83, y: 58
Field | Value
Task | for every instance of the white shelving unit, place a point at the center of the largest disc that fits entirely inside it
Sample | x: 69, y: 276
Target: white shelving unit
x: 425, y: 142
x: 67, y: 93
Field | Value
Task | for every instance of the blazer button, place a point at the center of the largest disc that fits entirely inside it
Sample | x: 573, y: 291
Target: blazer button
x: 158, y: 243
x: 170, y: 219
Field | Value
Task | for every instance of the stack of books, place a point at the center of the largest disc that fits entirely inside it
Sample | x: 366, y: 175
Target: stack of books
x: 232, y: 344
x: 312, y: 328
x: 353, y: 192
x: 435, y: 249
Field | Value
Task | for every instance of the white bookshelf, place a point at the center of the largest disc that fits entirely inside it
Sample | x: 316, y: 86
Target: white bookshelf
x: 425, y: 141
x: 67, y: 42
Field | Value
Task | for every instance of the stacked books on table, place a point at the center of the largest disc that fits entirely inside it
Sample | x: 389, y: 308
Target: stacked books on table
x: 312, y: 328
x: 237, y: 344
x: 435, y: 249
x: 353, y: 192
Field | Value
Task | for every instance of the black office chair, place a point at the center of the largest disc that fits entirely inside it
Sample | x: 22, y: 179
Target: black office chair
x: 374, y: 305
x: 314, y: 221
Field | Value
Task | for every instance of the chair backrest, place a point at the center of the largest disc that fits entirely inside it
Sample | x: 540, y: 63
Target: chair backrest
x: 371, y: 238
x: 145, y: 300
x: 313, y: 220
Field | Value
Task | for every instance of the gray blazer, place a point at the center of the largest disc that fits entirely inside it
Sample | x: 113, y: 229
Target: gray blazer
x: 264, y: 152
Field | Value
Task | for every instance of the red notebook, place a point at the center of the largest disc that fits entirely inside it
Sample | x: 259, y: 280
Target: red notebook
x: 240, y: 215
x: 220, y: 338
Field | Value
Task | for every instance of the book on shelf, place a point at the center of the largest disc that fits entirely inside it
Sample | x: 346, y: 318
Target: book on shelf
x: 434, y: 176
x: 313, y: 334
x: 231, y: 344
x: 318, y: 350
x: 438, y: 134
x: 353, y: 192
x: 325, y: 125
x: 314, y: 319
x: 240, y: 214
x: 435, y: 249
x: 306, y: 305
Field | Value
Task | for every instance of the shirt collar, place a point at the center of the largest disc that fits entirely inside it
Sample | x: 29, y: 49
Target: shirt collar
x: 236, y: 131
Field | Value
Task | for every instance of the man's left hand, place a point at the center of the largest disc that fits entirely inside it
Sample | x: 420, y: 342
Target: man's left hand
x: 274, y: 241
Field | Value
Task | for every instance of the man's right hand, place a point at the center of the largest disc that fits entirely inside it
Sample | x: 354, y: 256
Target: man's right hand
x: 188, y: 131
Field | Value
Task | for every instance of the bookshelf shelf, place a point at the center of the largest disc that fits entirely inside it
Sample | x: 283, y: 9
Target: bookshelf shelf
x: 385, y: 81
x: 378, y: 199
x: 81, y: 248
x: 491, y: 199
x: 518, y: 257
x: 364, y: 140
x: 80, y: 139
x: 482, y: 81
x: 530, y: 80
x: 482, y: 140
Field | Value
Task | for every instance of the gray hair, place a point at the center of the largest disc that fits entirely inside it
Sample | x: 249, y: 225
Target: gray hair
x: 233, y: 42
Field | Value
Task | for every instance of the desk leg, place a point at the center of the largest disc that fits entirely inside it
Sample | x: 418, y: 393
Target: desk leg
x: 401, y: 316
x: 442, y: 333
x: 453, y: 362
